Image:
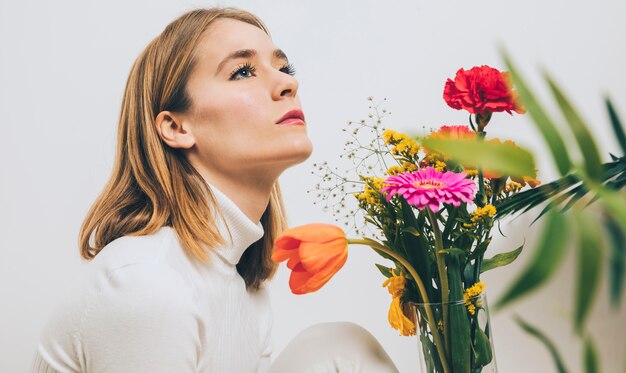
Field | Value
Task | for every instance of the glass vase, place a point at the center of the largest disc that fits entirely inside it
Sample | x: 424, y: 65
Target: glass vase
x: 463, y: 341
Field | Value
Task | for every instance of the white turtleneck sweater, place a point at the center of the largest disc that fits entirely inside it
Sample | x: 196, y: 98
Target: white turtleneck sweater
x: 148, y: 307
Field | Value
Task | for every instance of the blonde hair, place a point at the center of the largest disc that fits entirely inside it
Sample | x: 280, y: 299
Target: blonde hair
x: 152, y: 184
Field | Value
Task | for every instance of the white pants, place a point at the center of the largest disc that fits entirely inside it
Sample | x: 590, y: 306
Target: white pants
x: 332, y: 347
x: 342, y: 347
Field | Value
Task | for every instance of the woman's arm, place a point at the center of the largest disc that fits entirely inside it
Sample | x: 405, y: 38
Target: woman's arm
x: 266, y: 315
x: 138, y: 318
x: 142, y: 319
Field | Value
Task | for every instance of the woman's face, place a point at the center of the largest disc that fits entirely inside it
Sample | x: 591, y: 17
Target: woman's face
x: 236, y: 103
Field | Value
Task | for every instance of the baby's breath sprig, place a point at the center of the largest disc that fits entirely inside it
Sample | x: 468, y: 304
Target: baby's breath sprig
x: 370, y: 155
x: 331, y: 190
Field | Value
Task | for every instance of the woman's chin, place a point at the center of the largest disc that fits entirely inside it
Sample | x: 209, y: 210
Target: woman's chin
x: 300, y: 155
x: 295, y: 152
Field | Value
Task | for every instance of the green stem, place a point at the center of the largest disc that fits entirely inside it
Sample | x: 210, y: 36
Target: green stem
x: 477, y: 264
x: 421, y: 288
x: 481, y: 179
x: 443, y: 275
x: 483, y: 201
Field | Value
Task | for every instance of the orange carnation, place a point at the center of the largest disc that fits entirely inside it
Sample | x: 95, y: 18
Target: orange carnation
x: 456, y: 132
x: 314, y: 252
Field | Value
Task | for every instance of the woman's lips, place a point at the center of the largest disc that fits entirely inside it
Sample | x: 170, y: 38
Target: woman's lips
x: 292, y: 122
x: 291, y: 115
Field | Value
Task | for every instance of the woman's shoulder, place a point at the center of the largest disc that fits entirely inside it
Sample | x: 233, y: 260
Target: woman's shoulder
x: 130, y: 250
x: 138, y: 267
x: 125, y: 289
x: 129, y: 272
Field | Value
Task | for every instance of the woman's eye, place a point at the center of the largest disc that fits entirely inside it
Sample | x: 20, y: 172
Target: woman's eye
x: 289, y: 69
x: 247, y: 68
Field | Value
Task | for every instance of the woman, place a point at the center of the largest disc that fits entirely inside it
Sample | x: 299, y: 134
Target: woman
x: 184, y: 230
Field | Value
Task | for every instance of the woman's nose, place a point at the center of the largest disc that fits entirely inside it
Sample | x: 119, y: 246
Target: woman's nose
x: 286, y: 85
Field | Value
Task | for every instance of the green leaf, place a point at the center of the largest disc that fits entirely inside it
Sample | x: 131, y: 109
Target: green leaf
x: 450, y: 223
x: 386, y: 271
x: 411, y: 230
x: 482, y: 348
x: 615, y: 204
x: 370, y: 220
x: 558, y: 361
x: 496, y: 157
x: 459, y: 326
x: 386, y: 243
x: 548, y: 130
x: 546, y: 259
x: 591, y: 356
x: 431, y: 356
x: 371, y: 242
x: 589, y: 265
x: 452, y: 251
x: 500, y: 260
x: 416, y: 247
x: 559, y: 190
x: 617, y: 125
x: 617, y: 263
x: 584, y: 138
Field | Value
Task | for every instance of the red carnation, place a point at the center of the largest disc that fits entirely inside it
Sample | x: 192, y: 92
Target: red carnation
x: 481, y: 88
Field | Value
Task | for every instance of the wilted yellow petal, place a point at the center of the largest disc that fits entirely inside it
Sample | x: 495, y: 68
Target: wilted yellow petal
x: 398, y: 320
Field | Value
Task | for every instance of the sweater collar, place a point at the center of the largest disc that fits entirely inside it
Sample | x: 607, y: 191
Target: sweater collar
x: 243, y: 230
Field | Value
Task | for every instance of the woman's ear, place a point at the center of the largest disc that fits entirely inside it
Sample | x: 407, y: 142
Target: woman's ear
x: 173, y: 130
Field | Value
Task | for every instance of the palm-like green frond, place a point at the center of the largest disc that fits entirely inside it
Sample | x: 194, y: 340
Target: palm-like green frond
x: 563, y: 192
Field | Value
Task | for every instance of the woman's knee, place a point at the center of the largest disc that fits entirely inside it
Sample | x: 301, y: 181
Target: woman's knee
x: 350, y: 341
x: 346, y: 328
x: 338, y: 331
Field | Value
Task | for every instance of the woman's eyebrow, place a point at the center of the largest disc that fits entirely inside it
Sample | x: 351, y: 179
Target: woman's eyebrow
x: 248, y: 53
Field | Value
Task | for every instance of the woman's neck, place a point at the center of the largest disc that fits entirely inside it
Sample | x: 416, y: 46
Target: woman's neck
x: 250, y: 195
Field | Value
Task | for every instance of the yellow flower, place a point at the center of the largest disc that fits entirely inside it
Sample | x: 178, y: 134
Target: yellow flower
x: 388, y: 136
x: 440, y: 166
x: 475, y: 289
x: 395, y: 284
x: 408, y: 166
x: 512, y: 187
x: 370, y: 194
x: 483, y: 213
x: 398, y: 320
x: 406, y: 146
x: 377, y: 182
x: 392, y: 137
x: 472, y: 292
x: 531, y: 181
x: 432, y: 158
x: 470, y: 308
x: 394, y: 170
x: 402, y: 144
x: 471, y: 172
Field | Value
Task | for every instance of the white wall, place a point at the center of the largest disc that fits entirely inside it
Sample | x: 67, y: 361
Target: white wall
x: 63, y: 65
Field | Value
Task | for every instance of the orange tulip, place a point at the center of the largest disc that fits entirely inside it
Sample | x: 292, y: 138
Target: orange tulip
x: 314, y: 252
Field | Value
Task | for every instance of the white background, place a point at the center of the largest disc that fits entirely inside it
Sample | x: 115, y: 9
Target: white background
x: 63, y: 66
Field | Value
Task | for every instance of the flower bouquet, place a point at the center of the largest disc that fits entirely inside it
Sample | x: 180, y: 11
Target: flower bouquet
x: 431, y: 216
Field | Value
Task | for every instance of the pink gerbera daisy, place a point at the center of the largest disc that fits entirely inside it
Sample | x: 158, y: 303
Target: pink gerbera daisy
x: 428, y: 187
